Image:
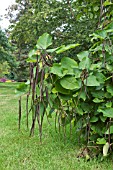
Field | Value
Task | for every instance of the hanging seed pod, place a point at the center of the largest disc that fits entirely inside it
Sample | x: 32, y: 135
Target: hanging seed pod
x: 19, y: 122
x: 37, y: 72
x: 39, y: 120
x: 41, y: 84
x: 31, y: 75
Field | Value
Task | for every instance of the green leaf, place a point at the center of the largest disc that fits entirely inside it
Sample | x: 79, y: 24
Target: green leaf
x: 107, y: 95
x: 77, y: 73
x: 100, y: 77
x: 79, y: 111
x: 109, y: 67
x: 102, y: 118
x: 69, y: 71
x: 83, y: 54
x: 67, y: 62
x: 83, y: 95
x: 86, y: 107
x: 44, y: 41
x: 109, y: 26
x: 108, y: 112
x: 85, y: 63
x: 65, y: 97
x: 106, y: 3
x: 100, y: 34
x: 109, y: 131
x: 109, y: 104
x: 57, y: 70
x: 32, y: 58
x: 95, y: 66
x: 31, y: 53
x: 101, y: 141
x: 69, y: 82
x: 65, y: 48
x: 108, y: 49
x: 96, y: 8
x: 54, y: 90
x: 94, y: 119
x: 92, y: 81
x: 97, y: 48
x: 91, y: 15
x: 60, y: 89
x: 110, y: 89
x: 105, y: 149
x: 29, y: 60
x: 97, y: 129
x: 98, y: 94
x: 52, y: 50
x: 96, y: 100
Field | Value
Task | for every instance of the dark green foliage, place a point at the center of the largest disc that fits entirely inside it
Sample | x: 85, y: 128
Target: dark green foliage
x: 5, y: 48
x: 7, y: 59
x: 67, y: 21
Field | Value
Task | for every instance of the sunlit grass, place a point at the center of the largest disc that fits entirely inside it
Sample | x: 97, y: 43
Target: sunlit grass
x: 21, y: 152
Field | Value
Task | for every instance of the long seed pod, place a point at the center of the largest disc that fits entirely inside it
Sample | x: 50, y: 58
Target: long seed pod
x: 37, y: 72
x: 39, y: 121
x: 47, y: 97
x: 31, y: 76
x: 33, y: 90
x: 19, y: 122
x: 59, y: 123
x: 64, y: 129
x: 88, y: 127
x: 41, y: 84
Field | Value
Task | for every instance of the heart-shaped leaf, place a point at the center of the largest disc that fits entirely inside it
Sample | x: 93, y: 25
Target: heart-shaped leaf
x: 108, y: 112
x: 69, y: 82
x: 67, y: 62
x: 44, y: 41
x: 92, y: 81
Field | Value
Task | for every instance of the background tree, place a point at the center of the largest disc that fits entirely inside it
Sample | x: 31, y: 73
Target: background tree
x: 67, y: 21
x: 7, y: 60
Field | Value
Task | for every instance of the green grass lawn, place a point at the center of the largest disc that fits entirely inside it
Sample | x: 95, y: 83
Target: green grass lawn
x: 18, y: 151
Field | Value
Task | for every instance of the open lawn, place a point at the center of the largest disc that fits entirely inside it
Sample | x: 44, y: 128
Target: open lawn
x: 18, y: 151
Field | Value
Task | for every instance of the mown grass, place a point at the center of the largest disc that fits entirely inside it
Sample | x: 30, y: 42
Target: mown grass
x: 21, y: 152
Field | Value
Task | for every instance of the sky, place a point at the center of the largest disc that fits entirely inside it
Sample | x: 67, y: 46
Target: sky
x: 3, y: 5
